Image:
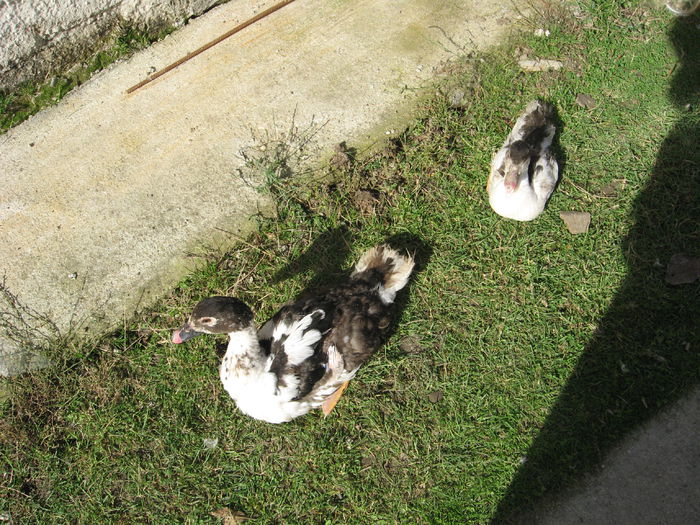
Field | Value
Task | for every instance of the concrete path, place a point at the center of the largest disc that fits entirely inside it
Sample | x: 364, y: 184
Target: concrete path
x: 105, y: 195
x: 651, y: 478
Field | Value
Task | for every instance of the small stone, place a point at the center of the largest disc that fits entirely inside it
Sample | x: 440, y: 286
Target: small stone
x: 366, y: 201
x: 435, y: 397
x: 210, y: 443
x: 576, y: 221
x: 230, y: 517
x: 540, y: 64
x: 410, y: 345
x: 456, y: 98
x: 585, y: 101
x: 682, y: 269
x: 610, y: 190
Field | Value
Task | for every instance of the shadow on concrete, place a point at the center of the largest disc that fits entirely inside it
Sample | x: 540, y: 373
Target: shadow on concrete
x: 646, y: 351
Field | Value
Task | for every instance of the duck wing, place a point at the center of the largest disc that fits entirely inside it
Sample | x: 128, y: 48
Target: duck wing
x: 545, y: 175
x: 318, y: 342
x: 358, y: 324
x: 294, y: 338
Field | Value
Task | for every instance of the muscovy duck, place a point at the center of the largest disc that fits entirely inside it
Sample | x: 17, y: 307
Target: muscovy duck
x: 524, y: 172
x: 305, y: 355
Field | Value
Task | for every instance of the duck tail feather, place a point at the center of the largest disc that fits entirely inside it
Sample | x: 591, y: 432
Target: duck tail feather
x: 543, y: 110
x: 386, y: 265
x: 535, y: 126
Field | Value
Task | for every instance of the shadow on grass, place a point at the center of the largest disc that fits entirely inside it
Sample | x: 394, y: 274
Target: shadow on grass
x: 646, y: 351
x: 557, y: 149
x: 325, y: 256
x: 421, y: 252
x: 328, y: 253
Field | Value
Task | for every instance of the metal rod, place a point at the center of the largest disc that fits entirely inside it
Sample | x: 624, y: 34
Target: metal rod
x: 202, y: 49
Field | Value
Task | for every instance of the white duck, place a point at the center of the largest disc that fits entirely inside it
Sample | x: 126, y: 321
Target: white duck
x: 304, y: 356
x: 524, y: 171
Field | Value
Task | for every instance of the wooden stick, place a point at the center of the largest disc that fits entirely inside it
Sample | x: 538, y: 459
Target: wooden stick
x: 202, y: 49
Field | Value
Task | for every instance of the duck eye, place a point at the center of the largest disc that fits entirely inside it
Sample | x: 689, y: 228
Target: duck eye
x: 208, y: 321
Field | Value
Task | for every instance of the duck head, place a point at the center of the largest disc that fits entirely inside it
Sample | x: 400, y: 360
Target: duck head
x: 516, y: 164
x: 215, y: 315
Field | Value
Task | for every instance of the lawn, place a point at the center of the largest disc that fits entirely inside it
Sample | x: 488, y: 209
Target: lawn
x: 521, y: 354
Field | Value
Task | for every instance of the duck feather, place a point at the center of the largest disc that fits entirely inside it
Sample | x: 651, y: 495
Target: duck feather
x: 312, y: 346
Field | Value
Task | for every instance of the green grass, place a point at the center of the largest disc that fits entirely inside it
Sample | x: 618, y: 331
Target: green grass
x: 547, y: 347
x: 31, y: 97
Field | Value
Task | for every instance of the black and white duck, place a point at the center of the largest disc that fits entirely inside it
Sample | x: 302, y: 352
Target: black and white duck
x: 305, y: 355
x: 524, y: 172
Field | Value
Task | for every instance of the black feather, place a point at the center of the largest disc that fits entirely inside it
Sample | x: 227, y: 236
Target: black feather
x: 355, y: 321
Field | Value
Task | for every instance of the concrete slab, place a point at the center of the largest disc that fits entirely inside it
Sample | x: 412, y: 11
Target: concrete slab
x: 106, y: 194
x: 652, y: 477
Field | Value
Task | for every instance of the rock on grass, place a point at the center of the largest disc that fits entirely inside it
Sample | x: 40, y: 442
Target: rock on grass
x: 586, y: 101
x: 576, y: 221
x: 682, y: 269
x: 540, y: 64
x: 435, y: 397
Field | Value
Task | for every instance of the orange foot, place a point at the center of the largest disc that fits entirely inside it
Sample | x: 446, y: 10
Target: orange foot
x: 331, y: 400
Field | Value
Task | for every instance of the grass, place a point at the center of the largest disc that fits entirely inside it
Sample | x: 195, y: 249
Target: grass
x: 546, y: 347
x: 29, y: 98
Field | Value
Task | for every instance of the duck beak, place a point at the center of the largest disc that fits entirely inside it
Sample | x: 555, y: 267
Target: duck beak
x: 185, y: 333
x: 511, y: 179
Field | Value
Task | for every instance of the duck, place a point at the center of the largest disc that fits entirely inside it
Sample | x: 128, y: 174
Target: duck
x: 524, y: 172
x: 304, y: 356
x: 683, y: 7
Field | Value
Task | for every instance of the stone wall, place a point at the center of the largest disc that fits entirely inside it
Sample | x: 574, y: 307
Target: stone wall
x: 39, y: 38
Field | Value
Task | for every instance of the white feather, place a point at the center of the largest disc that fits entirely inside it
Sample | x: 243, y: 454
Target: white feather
x: 282, y: 329
x: 300, y: 342
x: 397, y: 278
x: 336, y: 366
